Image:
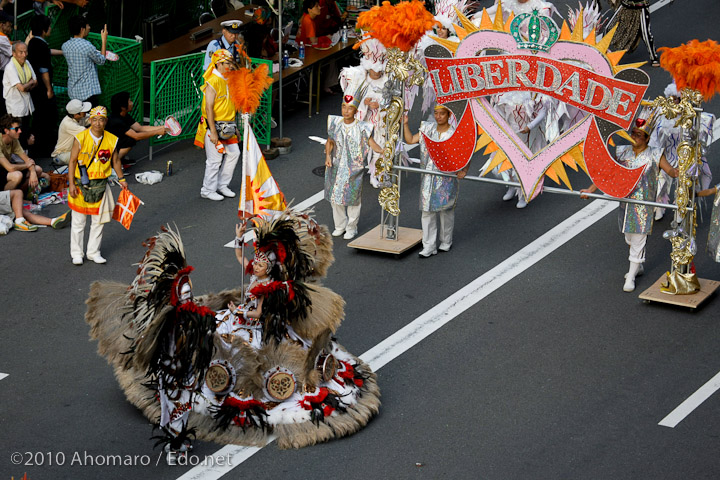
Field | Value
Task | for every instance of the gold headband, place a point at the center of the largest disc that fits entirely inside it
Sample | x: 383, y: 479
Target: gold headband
x: 98, y: 111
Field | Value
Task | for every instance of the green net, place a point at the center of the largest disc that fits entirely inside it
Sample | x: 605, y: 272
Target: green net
x: 175, y: 89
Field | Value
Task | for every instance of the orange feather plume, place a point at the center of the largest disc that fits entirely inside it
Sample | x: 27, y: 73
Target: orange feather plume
x: 400, y: 26
x: 695, y: 65
x: 247, y: 87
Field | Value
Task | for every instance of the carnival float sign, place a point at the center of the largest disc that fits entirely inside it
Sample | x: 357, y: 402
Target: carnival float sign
x: 530, y: 53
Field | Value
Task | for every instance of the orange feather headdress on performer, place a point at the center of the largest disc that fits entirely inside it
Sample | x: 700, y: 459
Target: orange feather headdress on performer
x: 399, y: 26
x: 695, y: 65
x: 247, y: 87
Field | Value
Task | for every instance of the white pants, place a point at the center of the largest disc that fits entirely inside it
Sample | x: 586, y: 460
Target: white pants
x: 430, y: 230
x: 219, y: 168
x: 77, y: 234
x: 636, y: 242
x: 346, y: 221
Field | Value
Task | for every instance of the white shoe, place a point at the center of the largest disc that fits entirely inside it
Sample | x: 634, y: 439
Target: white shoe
x: 509, y: 194
x: 640, y: 271
x: 428, y: 252
x: 97, y: 259
x: 629, y: 284
x: 350, y: 234
x: 226, y: 192
x: 521, y: 202
x: 445, y: 247
x: 338, y: 231
x: 77, y: 261
x: 212, y: 196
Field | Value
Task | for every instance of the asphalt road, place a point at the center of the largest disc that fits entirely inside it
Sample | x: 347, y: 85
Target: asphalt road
x: 557, y: 374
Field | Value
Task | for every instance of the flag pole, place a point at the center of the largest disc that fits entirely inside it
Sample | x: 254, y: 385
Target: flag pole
x: 246, y: 133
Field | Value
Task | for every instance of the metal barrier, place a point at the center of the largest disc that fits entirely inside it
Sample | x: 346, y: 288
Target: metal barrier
x: 175, y: 89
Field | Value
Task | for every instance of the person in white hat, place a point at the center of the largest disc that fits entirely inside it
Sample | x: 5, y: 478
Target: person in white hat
x: 230, y: 40
x: 74, y: 122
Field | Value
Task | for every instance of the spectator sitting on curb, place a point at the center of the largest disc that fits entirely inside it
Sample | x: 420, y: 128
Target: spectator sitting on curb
x: 73, y: 123
x: 123, y: 126
x: 11, y: 204
x: 16, y: 168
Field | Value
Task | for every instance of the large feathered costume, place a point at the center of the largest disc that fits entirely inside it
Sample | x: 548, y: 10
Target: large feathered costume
x: 192, y: 380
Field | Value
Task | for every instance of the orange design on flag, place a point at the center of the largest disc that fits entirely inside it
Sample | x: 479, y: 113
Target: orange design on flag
x: 125, y: 208
x: 262, y: 193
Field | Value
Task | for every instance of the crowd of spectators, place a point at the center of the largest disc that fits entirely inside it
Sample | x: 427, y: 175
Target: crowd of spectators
x: 29, y: 110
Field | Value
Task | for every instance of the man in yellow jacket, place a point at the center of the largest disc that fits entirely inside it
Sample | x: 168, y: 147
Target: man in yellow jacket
x: 217, y: 131
x: 92, y: 159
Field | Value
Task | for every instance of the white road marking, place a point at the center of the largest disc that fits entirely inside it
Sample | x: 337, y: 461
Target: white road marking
x: 463, y: 299
x: 305, y: 204
x: 694, y: 401
x: 221, y: 462
x: 410, y: 335
x: 3, y: 375
x: 658, y: 5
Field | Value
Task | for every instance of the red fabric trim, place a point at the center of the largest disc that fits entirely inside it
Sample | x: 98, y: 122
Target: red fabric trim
x: 265, y: 289
x: 309, y: 400
x: 242, y: 404
x: 192, y: 307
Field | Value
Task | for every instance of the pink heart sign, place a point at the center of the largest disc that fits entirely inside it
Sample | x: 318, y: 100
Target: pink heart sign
x: 610, y: 98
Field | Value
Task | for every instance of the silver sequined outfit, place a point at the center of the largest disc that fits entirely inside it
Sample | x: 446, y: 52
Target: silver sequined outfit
x: 436, y: 193
x: 343, y: 181
x: 639, y: 218
x: 713, y: 246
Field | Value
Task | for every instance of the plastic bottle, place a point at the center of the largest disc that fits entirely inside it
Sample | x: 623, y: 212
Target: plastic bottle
x: 286, y: 59
x: 301, y: 51
x: 344, y: 34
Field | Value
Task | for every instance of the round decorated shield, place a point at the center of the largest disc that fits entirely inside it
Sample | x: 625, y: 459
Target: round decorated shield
x: 327, y: 366
x: 280, y: 384
x: 219, y: 377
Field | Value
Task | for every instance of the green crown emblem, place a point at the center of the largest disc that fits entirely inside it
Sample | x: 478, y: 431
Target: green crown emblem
x: 539, y: 38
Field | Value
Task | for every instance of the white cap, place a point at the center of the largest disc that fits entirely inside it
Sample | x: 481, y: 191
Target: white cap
x: 76, y: 106
x: 232, y: 26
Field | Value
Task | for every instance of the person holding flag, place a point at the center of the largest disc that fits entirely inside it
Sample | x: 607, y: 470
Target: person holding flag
x: 92, y: 159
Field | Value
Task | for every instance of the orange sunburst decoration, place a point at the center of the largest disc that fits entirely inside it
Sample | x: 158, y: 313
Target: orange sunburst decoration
x: 247, y: 87
x: 694, y: 65
x: 396, y: 26
x: 558, y: 62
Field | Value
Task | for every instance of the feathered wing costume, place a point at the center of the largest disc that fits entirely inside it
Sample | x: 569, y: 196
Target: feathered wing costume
x: 297, y: 383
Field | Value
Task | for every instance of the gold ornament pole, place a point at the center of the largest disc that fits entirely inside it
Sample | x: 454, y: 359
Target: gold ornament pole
x: 681, y: 279
x: 403, y: 70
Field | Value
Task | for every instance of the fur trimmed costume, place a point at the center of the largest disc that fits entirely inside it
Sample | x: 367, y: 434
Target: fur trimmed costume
x: 193, y: 377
